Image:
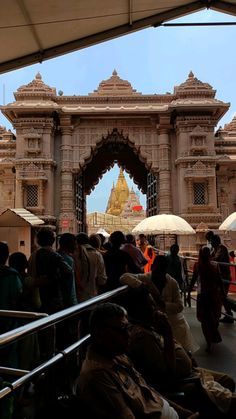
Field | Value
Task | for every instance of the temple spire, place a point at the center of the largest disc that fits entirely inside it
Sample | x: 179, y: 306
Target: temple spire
x: 119, y: 195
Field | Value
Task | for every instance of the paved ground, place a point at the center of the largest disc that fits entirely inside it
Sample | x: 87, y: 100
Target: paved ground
x: 223, y: 356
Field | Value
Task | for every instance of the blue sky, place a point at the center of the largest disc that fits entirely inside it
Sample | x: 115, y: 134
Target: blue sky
x: 154, y: 61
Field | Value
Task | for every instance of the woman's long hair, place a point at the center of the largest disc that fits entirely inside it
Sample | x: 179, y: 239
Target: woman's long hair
x: 205, y: 268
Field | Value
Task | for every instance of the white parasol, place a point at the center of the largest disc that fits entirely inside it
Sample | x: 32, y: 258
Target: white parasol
x: 229, y: 224
x: 164, y: 224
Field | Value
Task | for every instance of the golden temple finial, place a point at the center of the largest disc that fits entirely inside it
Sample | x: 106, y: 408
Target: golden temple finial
x: 119, y: 195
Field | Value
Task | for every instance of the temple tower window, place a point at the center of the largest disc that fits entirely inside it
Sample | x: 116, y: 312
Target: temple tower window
x: 32, y: 196
x: 200, y: 195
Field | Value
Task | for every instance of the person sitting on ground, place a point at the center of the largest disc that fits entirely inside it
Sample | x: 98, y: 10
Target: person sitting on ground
x: 137, y: 255
x: 164, y: 363
x: 166, y: 292
x: 108, y: 383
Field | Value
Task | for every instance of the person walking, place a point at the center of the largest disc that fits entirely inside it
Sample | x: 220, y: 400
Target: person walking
x: 148, y: 252
x: 220, y: 254
x: 174, y: 265
x: 210, y: 296
x: 137, y: 255
x: 232, y: 287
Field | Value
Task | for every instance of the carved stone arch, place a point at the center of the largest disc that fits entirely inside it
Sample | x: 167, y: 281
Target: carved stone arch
x: 115, y: 147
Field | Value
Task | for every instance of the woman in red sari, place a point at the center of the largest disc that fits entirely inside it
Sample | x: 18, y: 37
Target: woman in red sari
x: 210, y: 295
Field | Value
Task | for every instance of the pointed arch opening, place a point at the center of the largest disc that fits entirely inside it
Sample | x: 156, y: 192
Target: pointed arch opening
x: 115, y: 148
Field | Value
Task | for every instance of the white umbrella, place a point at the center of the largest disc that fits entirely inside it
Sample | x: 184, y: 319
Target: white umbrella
x: 104, y: 232
x: 229, y: 223
x: 163, y: 224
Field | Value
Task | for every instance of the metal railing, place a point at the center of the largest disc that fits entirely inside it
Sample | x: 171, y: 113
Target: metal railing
x: 40, y: 321
x: 25, y: 376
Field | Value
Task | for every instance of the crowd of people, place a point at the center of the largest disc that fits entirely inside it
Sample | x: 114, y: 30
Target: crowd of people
x: 141, y: 344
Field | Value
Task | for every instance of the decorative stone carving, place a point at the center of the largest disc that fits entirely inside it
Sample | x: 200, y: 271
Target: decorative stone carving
x: 143, y: 133
x: 114, y: 86
x: 32, y: 172
x: 199, y: 170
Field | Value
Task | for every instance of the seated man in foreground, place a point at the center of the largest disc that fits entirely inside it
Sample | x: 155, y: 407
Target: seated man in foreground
x: 108, y: 382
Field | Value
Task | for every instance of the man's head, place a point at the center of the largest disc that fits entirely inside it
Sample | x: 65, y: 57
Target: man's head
x: 117, y: 238
x: 18, y: 261
x: 204, y: 254
x: 174, y: 249
x: 130, y: 239
x: 140, y: 297
x: 45, y: 237
x: 67, y: 242
x: 82, y: 238
x: 215, y: 241
x: 109, y: 329
x: 142, y: 238
x: 95, y: 241
x: 209, y: 236
x: 160, y: 264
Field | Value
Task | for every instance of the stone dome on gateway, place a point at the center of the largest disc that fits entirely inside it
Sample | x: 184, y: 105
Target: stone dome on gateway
x: 36, y: 88
x: 115, y: 86
x: 194, y: 87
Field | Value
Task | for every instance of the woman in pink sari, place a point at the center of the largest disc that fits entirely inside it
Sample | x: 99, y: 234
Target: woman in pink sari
x: 210, y: 295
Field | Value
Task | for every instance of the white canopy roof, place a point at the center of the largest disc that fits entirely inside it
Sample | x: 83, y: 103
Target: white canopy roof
x: 229, y: 223
x: 34, y: 30
x: 164, y: 224
x: 19, y: 217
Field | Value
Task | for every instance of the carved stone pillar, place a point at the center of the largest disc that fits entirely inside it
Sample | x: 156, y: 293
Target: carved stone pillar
x: 190, y: 191
x: 165, y: 199
x: 67, y: 216
x: 19, y: 201
x: 41, y: 187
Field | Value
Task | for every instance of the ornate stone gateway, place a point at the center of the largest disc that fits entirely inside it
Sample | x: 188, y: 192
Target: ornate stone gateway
x: 64, y: 144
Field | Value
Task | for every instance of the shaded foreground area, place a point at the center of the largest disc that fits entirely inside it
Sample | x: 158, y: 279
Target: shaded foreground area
x: 223, y: 356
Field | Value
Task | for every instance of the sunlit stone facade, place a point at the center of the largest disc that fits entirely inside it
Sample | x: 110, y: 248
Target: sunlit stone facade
x: 167, y: 142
